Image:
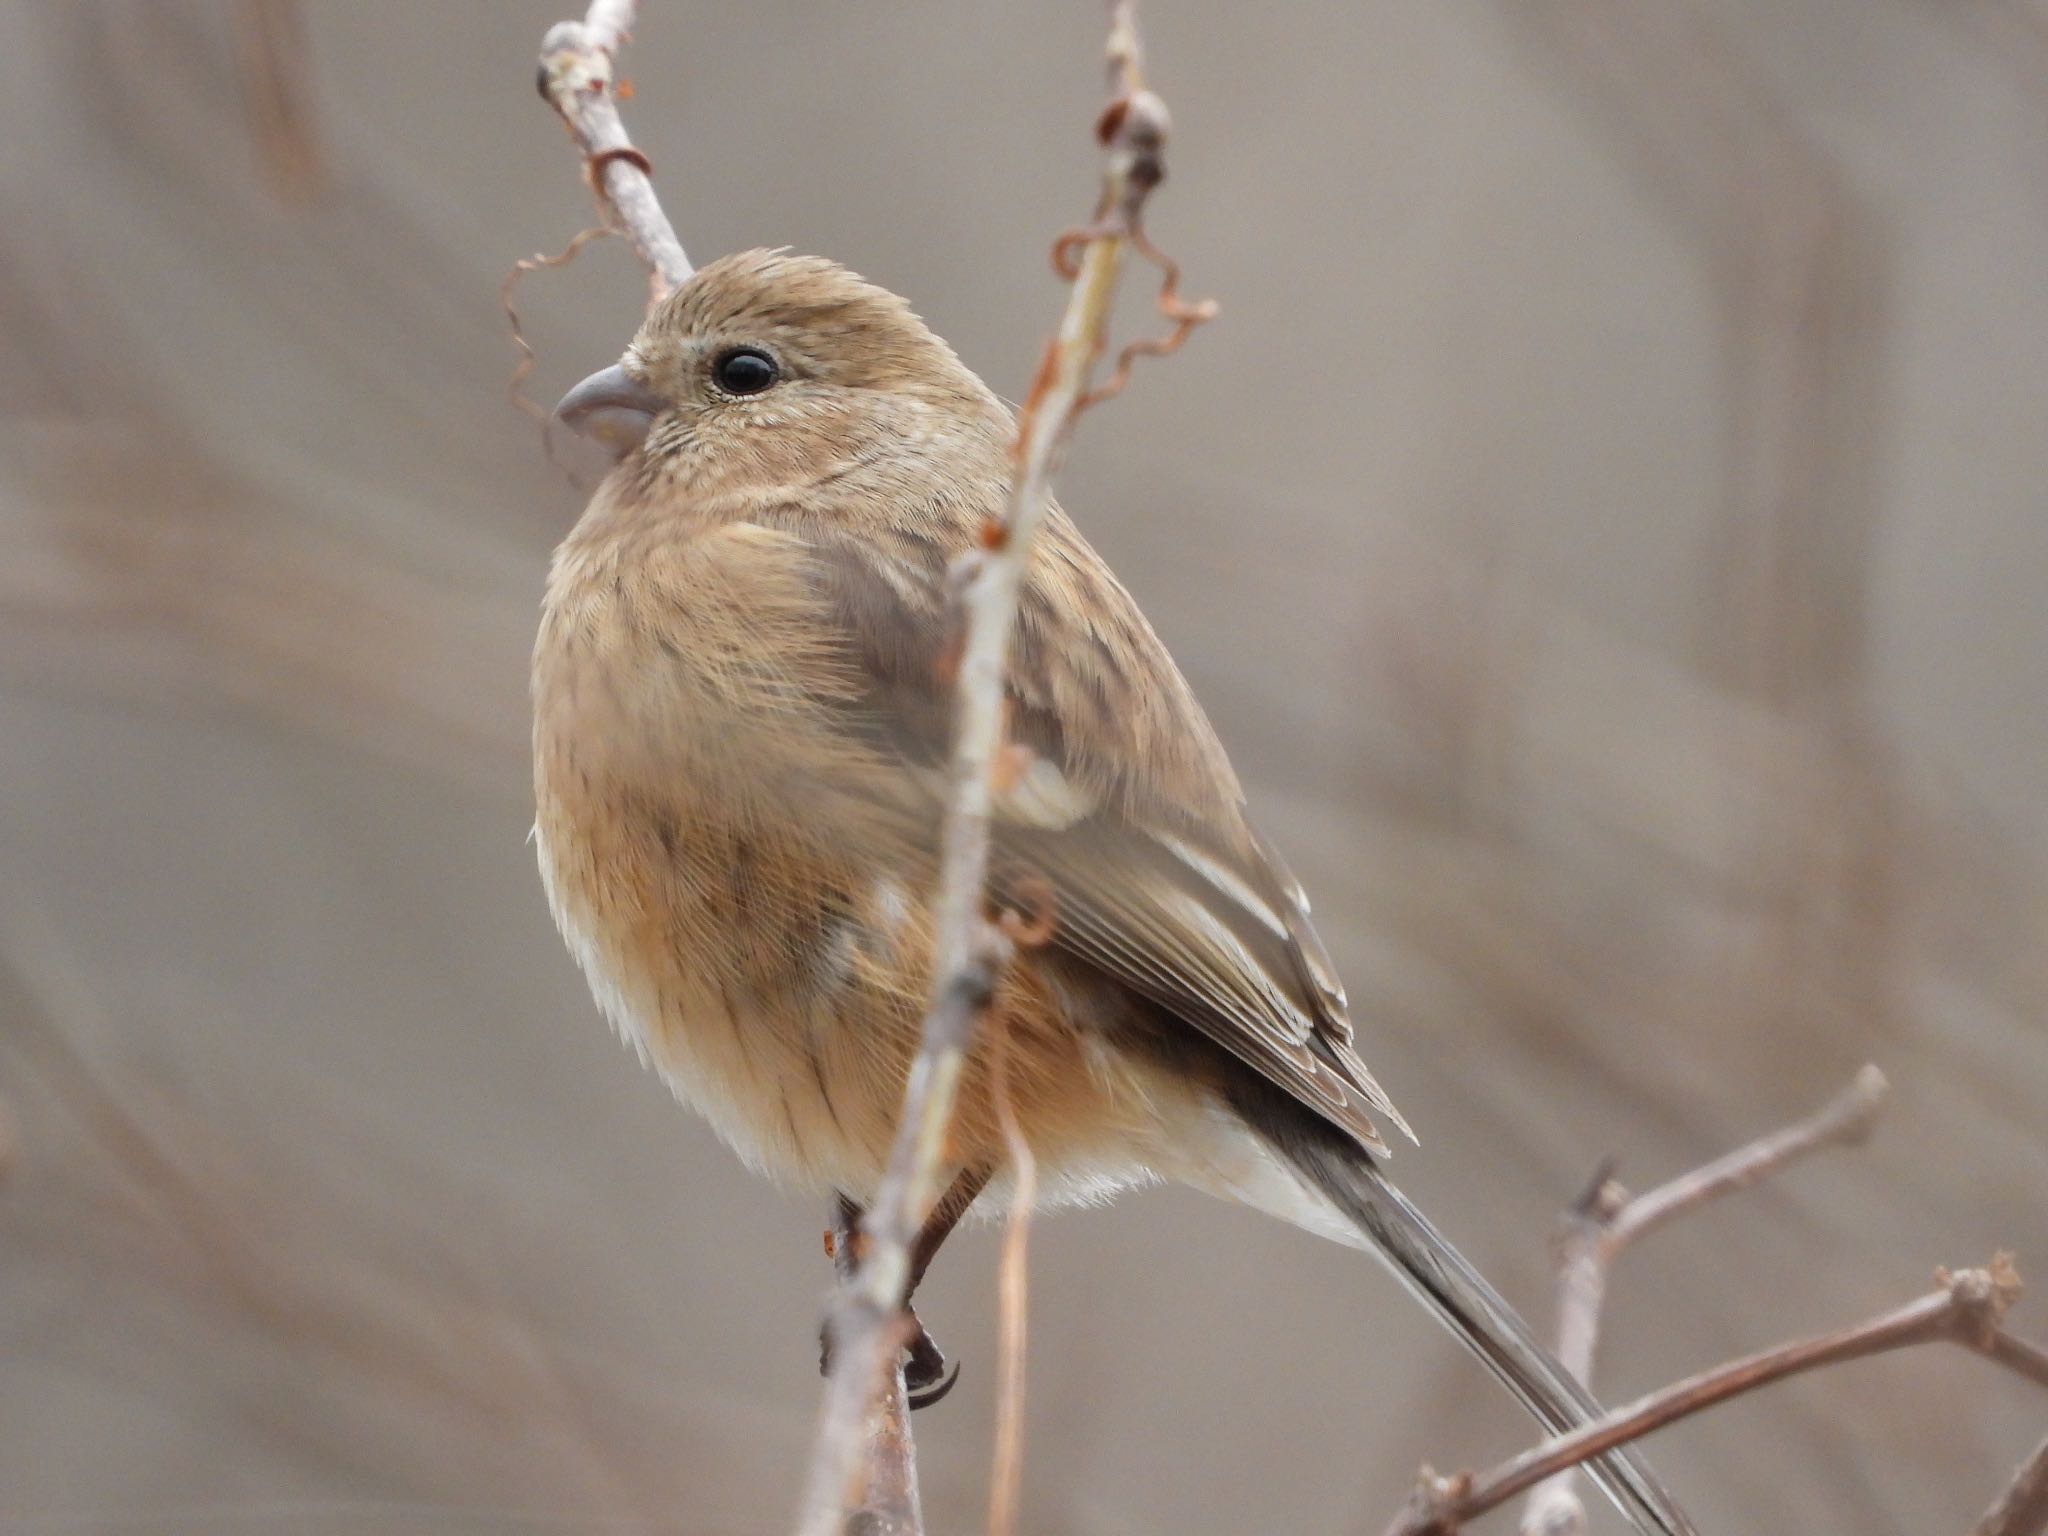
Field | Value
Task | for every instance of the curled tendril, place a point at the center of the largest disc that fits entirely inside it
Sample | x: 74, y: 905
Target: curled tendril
x: 523, y: 370
x: 1183, y: 315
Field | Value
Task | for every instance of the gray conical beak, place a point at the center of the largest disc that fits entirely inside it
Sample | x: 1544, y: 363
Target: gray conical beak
x: 611, y: 407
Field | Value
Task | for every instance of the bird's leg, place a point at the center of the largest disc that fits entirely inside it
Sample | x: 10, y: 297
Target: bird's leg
x: 927, y: 1375
x: 842, y: 1237
x: 967, y: 1185
x: 842, y: 1247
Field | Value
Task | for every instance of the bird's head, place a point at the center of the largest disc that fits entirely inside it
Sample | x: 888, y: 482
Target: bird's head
x: 776, y: 367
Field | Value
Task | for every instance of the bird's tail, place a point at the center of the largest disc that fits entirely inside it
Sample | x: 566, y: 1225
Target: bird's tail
x: 1437, y: 1273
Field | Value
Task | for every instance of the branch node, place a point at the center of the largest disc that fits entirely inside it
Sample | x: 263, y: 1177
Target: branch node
x: 576, y: 78
x: 1603, y: 1197
x: 1980, y: 1298
x: 1855, y: 1112
x: 573, y: 61
x: 1432, y: 1507
x: 594, y: 164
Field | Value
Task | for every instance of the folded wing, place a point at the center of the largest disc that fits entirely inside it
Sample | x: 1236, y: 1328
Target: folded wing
x: 1115, y: 790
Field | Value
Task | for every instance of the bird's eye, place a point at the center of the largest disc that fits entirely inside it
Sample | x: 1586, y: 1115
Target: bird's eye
x: 744, y: 371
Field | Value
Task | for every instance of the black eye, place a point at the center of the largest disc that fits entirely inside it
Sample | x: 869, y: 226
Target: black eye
x: 744, y: 371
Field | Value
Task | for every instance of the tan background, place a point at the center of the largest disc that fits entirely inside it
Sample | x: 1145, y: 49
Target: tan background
x: 1606, y: 524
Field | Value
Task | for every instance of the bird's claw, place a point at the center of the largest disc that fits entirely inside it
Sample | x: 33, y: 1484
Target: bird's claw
x: 927, y: 1374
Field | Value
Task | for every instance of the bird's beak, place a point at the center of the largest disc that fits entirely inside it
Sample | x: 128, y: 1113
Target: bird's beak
x: 611, y: 407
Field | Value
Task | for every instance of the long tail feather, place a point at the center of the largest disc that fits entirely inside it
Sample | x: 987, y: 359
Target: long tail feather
x: 1438, y: 1274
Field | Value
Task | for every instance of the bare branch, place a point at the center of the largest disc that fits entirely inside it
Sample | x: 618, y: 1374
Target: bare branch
x: 576, y: 60
x: 867, y: 1325
x: 888, y: 1504
x: 2022, y: 1510
x: 1605, y: 1220
x: 270, y: 54
x: 968, y: 952
x: 1968, y: 1308
x: 1554, y: 1507
x: 1844, y: 1120
x: 2022, y: 1357
x: 889, y: 1507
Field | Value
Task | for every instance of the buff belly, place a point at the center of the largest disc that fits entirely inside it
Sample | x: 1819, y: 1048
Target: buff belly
x: 805, y: 1082
x: 802, y: 1072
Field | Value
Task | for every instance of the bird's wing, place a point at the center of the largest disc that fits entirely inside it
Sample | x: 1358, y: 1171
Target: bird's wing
x: 1114, y: 788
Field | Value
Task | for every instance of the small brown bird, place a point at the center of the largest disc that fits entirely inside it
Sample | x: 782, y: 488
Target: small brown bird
x: 741, y: 714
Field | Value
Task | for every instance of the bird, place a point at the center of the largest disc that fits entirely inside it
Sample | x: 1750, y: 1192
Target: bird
x: 741, y: 695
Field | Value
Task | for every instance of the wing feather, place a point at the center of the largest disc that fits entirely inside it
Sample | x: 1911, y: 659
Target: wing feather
x: 1159, y: 879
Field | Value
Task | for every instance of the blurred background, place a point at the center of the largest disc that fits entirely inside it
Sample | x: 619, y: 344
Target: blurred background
x: 1606, y: 524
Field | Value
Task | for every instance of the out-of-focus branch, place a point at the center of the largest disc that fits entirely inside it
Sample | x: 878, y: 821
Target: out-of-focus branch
x: 1967, y: 1308
x: 10, y: 1141
x: 2022, y: 1510
x: 1606, y: 1219
x: 1845, y: 1120
x: 235, y: 1234
x: 968, y: 953
x: 576, y: 79
x: 141, y: 575
x: 1006, y: 1469
x: 2023, y: 1357
x: 270, y: 38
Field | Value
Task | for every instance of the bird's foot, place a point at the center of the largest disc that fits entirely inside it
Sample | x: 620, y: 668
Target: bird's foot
x: 927, y: 1374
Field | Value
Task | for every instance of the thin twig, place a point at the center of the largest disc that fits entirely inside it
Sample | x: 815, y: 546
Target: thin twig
x: 1006, y: 1472
x: 867, y: 1324
x: 967, y: 952
x: 1844, y: 1120
x: 1606, y: 1219
x: 888, y: 1503
x: 576, y: 79
x: 237, y: 1234
x: 1968, y: 1308
x: 270, y: 53
x: 2022, y: 1510
x: 2021, y: 1356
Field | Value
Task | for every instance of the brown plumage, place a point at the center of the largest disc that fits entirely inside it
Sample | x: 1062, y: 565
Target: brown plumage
x: 741, y: 721
x: 740, y: 725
